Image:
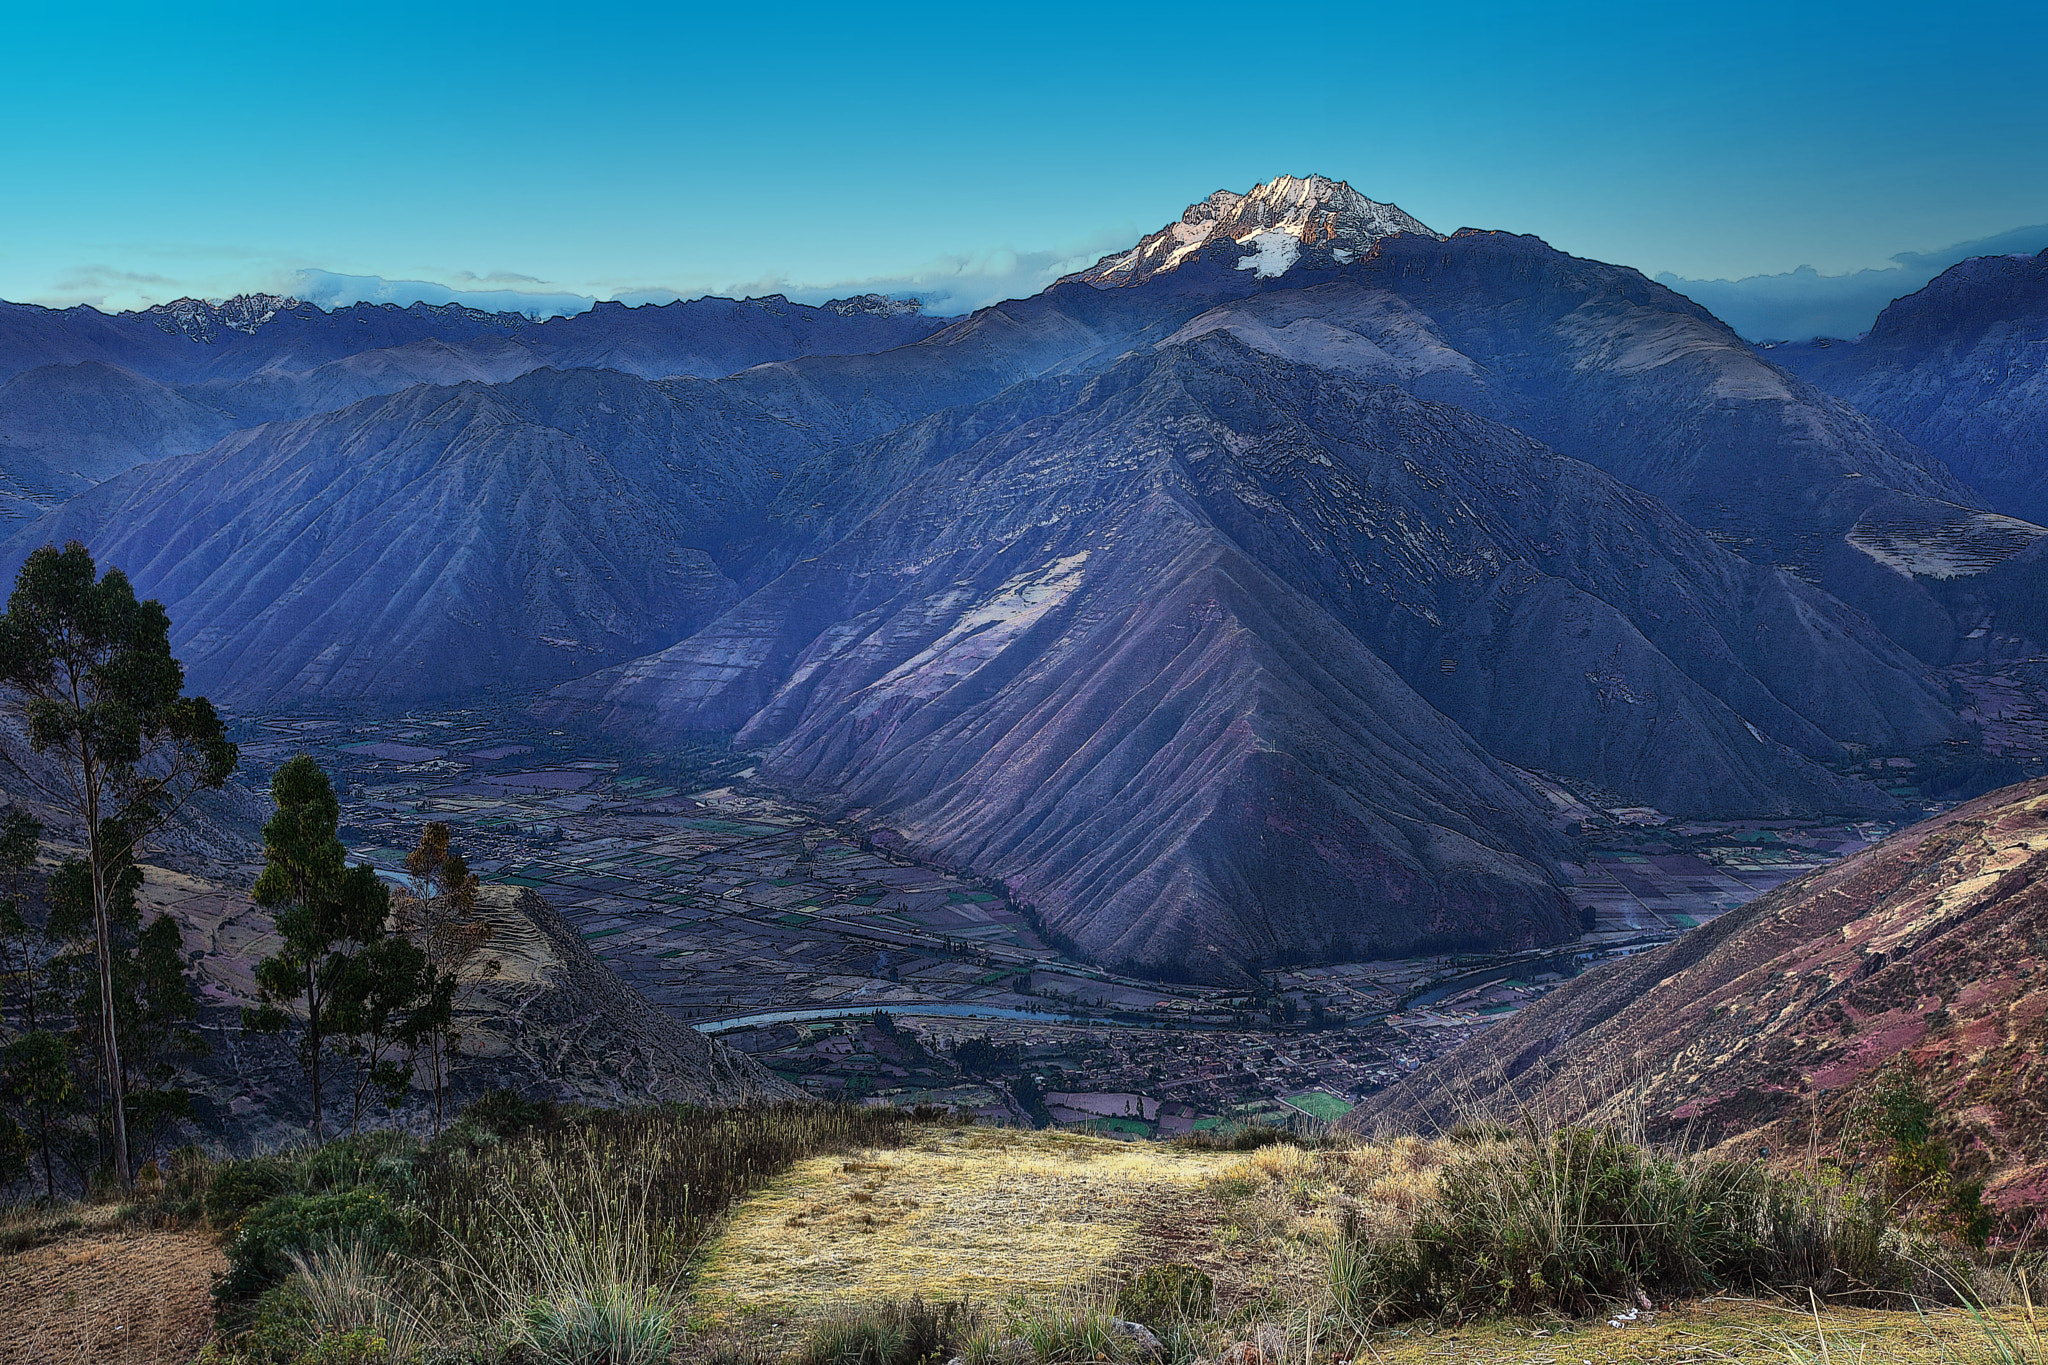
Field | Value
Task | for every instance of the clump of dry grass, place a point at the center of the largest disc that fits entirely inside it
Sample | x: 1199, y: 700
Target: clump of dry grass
x: 352, y: 1289
x: 591, y: 1272
x: 1295, y: 1199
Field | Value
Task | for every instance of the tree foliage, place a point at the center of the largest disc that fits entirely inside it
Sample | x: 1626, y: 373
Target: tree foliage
x: 39, y: 1086
x: 117, y: 746
x: 358, y: 991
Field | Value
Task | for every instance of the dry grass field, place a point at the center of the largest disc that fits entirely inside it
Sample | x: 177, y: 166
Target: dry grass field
x: 1028, y: 1226
x: 1016, y: 1220
x: 981, y: 1212
x: 108, y: 1294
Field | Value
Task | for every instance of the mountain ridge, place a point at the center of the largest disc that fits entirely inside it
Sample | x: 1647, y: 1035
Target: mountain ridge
x: 1767, y: 1027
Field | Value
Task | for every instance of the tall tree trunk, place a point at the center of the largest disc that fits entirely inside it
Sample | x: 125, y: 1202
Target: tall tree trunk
x: 103, y: 934
x: 313, y: 1052
x: 49, y: 1172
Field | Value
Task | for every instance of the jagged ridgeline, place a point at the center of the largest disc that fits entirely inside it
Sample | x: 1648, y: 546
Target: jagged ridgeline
x: 1219, y: 600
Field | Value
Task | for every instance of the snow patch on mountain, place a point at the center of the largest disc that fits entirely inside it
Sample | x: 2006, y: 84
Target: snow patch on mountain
x: 1272, y: 254
x: 203, y: 320
x: 1283, y: 221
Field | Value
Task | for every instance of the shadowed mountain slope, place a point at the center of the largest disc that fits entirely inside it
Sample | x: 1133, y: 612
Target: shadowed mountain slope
x: 1931, y: 947
x: 84, y: 395
x: 1206, y: 602
x: 1609, y: 367
x: 1146, y: 655
x: 64, y: 428
x: 442, y: 539
x: 1961, y: 367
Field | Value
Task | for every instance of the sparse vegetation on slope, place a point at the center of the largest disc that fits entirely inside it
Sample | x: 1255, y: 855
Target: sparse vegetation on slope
x: 811, y: 1235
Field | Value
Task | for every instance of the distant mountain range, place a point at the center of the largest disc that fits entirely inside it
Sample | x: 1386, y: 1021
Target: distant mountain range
x: 1244, y: 597
x: 84, y: 395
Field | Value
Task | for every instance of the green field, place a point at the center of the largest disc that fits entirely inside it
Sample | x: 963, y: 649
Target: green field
x: 1319, y: 1103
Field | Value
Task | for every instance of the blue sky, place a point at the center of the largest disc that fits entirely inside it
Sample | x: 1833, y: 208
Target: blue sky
x: 622, y: 150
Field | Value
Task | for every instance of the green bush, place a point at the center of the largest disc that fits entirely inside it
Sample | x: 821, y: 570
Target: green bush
x: 359, y: 1347
x: 259, y: 1254
x: 507, y: 1113
x: 277, y: 1327
x: 382, y: 1160
x: 235, y: 1187
x: 1163, y: 1296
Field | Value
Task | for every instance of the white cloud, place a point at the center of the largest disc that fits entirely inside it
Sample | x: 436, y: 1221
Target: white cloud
x: 330, y: 290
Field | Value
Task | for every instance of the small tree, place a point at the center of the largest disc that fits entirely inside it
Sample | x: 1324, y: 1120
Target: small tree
x: 20, y: 959
x: 392, y: 1001
x: 91, y: 670
x: 38, y: 1074
x: 160, y: 1028
x: 324, y: 910
x: 424, y: 864
x: 155, y: 1006
x: 365, y: 992
x: 439, y: 914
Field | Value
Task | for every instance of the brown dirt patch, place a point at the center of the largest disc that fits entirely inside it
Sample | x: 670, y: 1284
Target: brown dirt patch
x: 116, y: 1297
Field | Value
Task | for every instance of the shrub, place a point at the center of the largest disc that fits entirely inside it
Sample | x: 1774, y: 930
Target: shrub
x: 279, y: 1324
x: 259, y: 1256
x: 507, y: 1113
x: 359, y: 1346
x: 235, y: 1187
x: 1570, y: 1220
x: 606, y: 1325
x: 1244, y: 1139
x: 891, y: 1333
x: 1162, y: 1296
x: 381, y: 1160
x: 1069, y: 1336
x: 680, y: 1168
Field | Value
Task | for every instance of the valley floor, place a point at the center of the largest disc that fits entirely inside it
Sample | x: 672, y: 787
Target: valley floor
x: 783, y: 932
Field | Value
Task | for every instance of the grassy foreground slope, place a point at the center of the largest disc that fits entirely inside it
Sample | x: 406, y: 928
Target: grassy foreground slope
x: 807, y: 1235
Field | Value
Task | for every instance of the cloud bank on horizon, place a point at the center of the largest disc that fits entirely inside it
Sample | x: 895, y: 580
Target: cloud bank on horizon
x: 949, y: 286
x: 1795, y: 305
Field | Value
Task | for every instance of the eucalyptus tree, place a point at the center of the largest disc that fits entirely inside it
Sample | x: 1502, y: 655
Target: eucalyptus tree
x: 112, y: 739
x: 363, y: 991
x: 324, y: 911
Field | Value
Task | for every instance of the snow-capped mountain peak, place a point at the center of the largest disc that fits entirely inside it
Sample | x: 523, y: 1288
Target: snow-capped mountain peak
x: 1278, y: 223
x: 203, y: 320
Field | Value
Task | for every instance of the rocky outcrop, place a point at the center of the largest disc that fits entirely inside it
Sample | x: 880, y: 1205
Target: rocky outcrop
x: 538, y: 1013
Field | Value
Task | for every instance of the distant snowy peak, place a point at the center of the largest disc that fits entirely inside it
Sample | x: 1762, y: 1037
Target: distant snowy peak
x: 202, y: 320
x: 874, y: 306
x: 1277, y: 223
